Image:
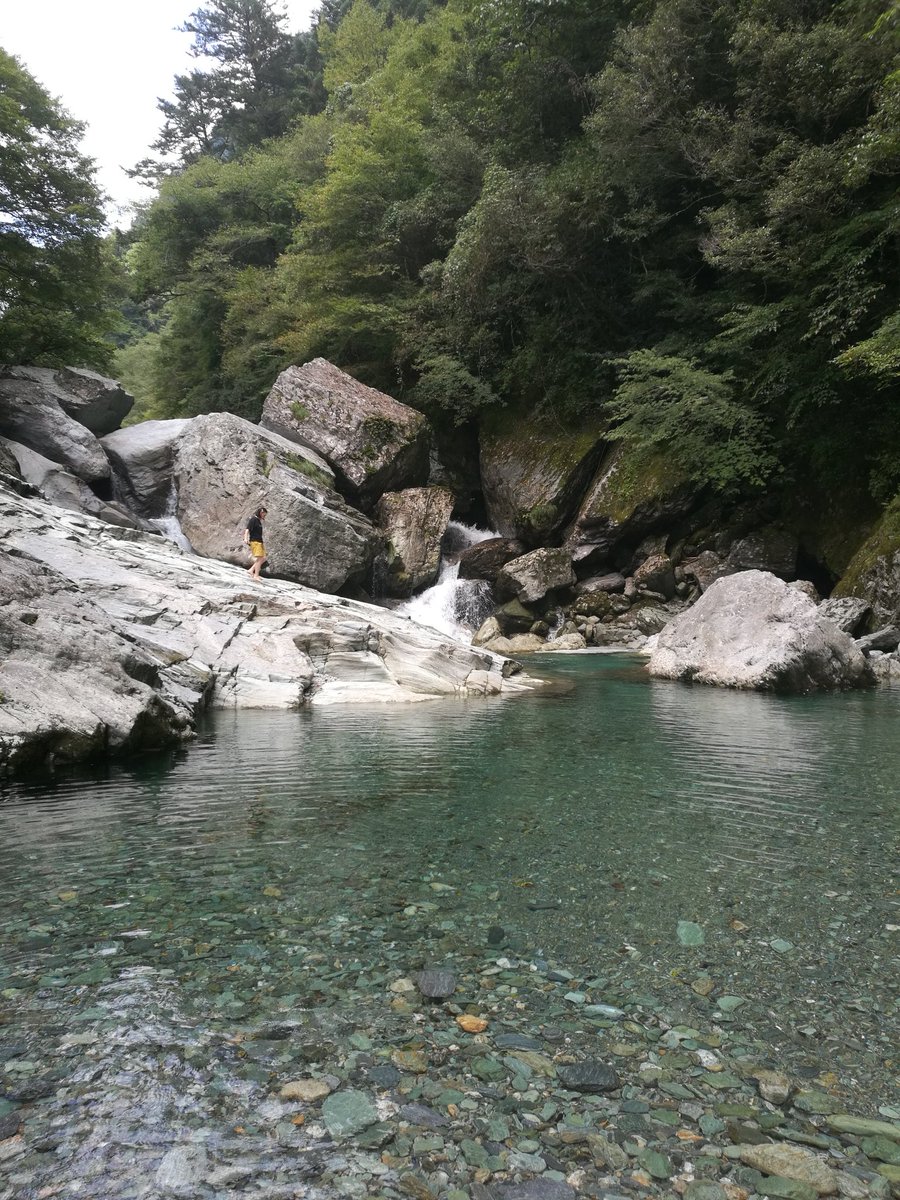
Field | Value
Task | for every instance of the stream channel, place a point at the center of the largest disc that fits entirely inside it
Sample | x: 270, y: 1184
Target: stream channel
x: 598, y: 866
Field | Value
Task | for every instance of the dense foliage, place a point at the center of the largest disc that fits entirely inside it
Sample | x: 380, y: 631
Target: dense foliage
x: 55, y: 271
x: 677, y: 219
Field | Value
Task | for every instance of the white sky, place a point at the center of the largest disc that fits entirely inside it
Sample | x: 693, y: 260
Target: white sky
x: 108, y: 61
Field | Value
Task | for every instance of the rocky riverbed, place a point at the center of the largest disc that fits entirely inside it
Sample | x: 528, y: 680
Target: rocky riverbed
x: 475, y: 1069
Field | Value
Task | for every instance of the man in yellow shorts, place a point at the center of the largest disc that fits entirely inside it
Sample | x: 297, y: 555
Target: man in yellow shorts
x: 253, y: 538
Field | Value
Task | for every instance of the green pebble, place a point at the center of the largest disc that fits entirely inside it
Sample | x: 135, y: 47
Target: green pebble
x: 710, y: 1125
x: 787, y: 1189
x: 474, y: 1153
x: 882, y: 1148
x: 704, y: 1189
x: 689, y: 933
x: 655, y: 1164
x: 816, y: 1102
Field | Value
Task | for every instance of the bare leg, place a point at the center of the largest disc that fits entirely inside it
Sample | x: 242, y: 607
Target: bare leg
x: 253, y: 571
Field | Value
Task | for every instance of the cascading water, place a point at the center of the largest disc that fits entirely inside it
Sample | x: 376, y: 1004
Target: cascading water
x: 168, y: 524
x: 454, y: 606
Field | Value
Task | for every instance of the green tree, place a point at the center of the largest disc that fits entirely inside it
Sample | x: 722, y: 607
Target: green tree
x: 55, y: 272
x: 262, y: 79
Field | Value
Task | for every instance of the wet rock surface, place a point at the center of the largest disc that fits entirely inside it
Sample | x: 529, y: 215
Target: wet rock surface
x: 414, y: 522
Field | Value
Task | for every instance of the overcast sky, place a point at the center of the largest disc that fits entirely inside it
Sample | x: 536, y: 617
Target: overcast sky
x: 108, y: 61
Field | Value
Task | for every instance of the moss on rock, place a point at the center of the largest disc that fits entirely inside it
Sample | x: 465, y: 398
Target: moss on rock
x: 534, y: 472
x: 638, y: 478
x: 874, y: 571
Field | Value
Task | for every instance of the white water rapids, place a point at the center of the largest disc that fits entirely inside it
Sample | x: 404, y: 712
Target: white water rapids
x: 453, y: 606
x: 169, y: 526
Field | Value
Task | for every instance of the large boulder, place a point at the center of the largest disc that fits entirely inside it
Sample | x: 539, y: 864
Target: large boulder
x: 533, y: 473
x: 531, y: 577
x: 704, y: 569
x: 633, y: 493
x: 847, y: 612
x: 752, y: 630
x: 768, y: 549
x: 32, y: 414
x: 486, y: 559
x: 656, y: 574
x: 61, y: 487
x: 74, y: 684
x: 112, y: 641
x: 98, y: 403
x: 373, y: 442
x: 142, y: 458
x: 225, y: 468
x: 413, y: 523
x: 873, y: 574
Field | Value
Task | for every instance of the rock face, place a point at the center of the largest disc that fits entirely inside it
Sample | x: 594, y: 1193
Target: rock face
x: 374, y: 443
x: 413, y: 523
x: 32, y: 413
x: 533, y: 476
x: 847, y: 612
x: 65, y: 489
x: 486, y: 559
x: 98, y: 403
x: 770, y: 549
x: 752, y: 630
x: 631, y: 495
x: 73, y: 685
x: 224, y: 468
x: 532, y: 576
x: 142, y: 457
x: 112, y: 641
x: 874, y: 572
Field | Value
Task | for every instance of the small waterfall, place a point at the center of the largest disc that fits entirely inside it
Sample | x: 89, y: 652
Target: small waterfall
x: 558, y: 621
x: 168, y: 524
x: 454, y: 606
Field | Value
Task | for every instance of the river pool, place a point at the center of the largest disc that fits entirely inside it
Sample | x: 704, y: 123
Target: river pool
x: 185, y: 933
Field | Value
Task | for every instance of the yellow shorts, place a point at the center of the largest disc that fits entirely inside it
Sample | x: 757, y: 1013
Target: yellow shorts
x: 257, y: 549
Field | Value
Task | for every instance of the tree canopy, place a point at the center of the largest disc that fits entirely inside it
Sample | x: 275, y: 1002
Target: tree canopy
x: 677, y: 218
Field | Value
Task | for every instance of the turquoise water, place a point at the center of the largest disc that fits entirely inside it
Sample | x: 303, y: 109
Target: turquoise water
x: 289, y: 866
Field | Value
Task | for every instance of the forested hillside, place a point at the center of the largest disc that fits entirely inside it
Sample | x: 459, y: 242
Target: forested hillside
x: 677, y: 219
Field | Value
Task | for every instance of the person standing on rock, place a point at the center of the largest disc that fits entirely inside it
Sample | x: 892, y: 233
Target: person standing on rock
x: 253, y: 538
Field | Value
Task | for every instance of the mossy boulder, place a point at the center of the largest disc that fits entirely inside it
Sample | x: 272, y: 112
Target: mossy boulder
x: 873, y: 573
x: 633, y: 493
x: 592, y: 604
x: 371, y: 441
x: 831, y: 518
x: 534, y: 473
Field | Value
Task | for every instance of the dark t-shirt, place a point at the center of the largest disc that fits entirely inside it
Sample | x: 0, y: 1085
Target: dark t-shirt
x: 255, y: 529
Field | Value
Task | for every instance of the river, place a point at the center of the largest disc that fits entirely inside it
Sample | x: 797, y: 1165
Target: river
x: 184, y: 932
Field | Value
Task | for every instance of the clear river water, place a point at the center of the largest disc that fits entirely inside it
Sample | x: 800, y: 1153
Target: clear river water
x: 716, y: 857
